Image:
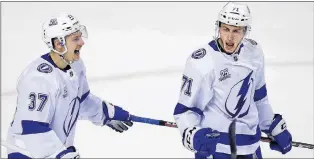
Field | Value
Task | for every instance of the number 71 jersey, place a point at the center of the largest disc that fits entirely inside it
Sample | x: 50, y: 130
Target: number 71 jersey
x: 218, y: 88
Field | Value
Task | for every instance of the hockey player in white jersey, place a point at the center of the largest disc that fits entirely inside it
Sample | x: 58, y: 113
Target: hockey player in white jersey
x: 53, y: 93
x: 224, y: 81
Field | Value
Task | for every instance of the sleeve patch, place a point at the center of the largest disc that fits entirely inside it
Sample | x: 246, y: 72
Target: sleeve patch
x: 253, y: 42
x: 198, y: 54
x: 44, y: 68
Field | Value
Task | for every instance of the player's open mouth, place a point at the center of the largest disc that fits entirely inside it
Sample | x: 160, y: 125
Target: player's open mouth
x: 230, y: 44
x: 77, y: 52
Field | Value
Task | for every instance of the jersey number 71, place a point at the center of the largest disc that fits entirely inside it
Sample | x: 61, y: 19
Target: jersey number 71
x: 186, y: 85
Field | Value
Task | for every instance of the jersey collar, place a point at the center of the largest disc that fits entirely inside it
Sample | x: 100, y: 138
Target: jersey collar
x: 48, y: 58
x: 217, y: 46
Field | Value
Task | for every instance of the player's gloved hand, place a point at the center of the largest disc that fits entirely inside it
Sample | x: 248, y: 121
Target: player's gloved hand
x: 70, y: 152
x: 201, y: 140
x: 279, y: 133
x: 119, y: 126
x: 113, y: 112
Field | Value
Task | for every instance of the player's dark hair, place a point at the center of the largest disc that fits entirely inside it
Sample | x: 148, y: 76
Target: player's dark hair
x: 53, y: 42
x: 219, y: 24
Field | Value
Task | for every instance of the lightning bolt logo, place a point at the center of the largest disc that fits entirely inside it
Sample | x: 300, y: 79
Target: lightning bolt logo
x: 241, y: 96
x: 72, y: 116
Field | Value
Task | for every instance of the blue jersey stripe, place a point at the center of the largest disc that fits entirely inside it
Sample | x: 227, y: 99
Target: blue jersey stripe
x: 260, y: 93
x: 105, y: 111
x: 180, y: 108
x: 34, y: 127
x: 84, y: 96
x: 17, y: 155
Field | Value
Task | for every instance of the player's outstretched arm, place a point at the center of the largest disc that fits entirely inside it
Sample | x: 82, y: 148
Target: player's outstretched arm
x: 101, y: 112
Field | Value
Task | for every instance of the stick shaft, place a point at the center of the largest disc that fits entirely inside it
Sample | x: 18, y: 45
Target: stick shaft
x: 174, y: 125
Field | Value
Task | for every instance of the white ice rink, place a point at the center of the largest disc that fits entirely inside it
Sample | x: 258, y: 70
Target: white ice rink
x: 135, y: 55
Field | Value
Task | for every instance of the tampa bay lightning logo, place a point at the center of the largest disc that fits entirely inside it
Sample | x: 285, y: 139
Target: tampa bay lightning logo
x: 45, y: 68
x: 200, y: 53
x: 240, y: 97
x: 72, y: 116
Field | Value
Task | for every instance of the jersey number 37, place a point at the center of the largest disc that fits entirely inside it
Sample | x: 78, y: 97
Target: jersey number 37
x: 43, y: 100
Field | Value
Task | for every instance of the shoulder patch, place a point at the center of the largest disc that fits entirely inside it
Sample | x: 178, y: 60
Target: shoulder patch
x: 253, y: 42
x: 200, y: 53
x: 44, y: 68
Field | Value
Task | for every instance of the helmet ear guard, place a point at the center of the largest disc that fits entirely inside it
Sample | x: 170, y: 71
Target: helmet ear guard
x: 62, y: 43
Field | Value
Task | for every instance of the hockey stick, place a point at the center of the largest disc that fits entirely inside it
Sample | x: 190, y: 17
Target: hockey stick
x: 295, y: 144
x: 153, y: 121
x: 174, y: 125
x: 232, y: 138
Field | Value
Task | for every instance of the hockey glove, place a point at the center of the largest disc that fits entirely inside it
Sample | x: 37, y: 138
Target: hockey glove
x: 201, y: 140
x: 119, y: 126
x: 113, y: 112
x: 279, y: 133
x: 70, y: 152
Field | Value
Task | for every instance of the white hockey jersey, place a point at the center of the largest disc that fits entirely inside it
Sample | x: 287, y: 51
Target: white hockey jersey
x: 218, y: 88
x: 50, y: 101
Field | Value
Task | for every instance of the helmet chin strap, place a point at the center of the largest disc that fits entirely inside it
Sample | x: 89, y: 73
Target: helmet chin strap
x: 68, y: 63
x: 61, y: 54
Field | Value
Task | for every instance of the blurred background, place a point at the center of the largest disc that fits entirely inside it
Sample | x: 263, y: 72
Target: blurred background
x: 135, y: 55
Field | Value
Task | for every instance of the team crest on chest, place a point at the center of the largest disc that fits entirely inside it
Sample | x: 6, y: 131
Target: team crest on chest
x: 224, y: 74
x: 238, y: 102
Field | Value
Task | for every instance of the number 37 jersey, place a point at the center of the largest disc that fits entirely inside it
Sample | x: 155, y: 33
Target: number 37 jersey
x: 50, y: 101
x: 218, y: 88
